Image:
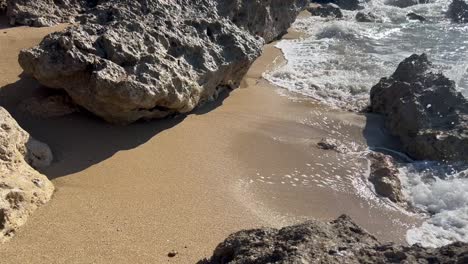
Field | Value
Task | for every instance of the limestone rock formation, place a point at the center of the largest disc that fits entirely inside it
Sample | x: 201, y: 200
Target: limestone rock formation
x: 22, y: 189
x: 458, y: 11
x: 339, y: 242
x: 384, y: 177
x: 425, y: 110
x: 132, y: 60
x: 41, y: 13
x: 327, y: 10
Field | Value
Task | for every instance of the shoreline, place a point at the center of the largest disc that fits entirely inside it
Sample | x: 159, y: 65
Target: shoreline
x: 149, y: 188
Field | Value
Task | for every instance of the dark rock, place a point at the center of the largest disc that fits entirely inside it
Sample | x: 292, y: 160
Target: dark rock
x: 332, y: 144
x: 458, y: 11
x: 338, y: 242
x: 405, y: 3
x: 139, y: 59
x: 384, y: 177
x: 344, y: 4
x: 414, y: 16
x: 424, y: 109
x: 172, y: 253
x: 327, y: 10
x: 367, y: 17
x: 3, y: 6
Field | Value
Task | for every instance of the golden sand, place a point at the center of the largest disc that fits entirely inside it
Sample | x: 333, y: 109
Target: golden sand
x: 132, y: 194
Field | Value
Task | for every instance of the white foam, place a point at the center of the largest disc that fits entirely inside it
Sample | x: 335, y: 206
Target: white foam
x: 443, y: 197
x: 342, y: 59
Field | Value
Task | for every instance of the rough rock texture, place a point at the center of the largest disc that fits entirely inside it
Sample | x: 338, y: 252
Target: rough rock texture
x: 40, y: 13
x: 367, y: 17
x: 424, y: 109
x: 384, y: 177
x: 405, y: 3
x: 414, y: 16
x: 327, y: 10
x: 339, y: 242
x: 344, y: 4
x: 22, y: 189
x: 131, y: 60
x: 458, y: 11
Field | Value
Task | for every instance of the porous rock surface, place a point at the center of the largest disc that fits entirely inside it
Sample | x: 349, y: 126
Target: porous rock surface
x: 384, y: 176
x: 22, y: 189
x: 338, y: 242
x: 41, y: 13
x: 425, y: 110
x: 139, y: 59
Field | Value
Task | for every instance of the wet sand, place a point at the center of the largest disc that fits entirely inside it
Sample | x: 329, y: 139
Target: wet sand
x: 132, y: 194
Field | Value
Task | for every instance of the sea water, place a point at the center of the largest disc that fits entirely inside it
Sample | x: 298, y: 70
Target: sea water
x: 339, y: 60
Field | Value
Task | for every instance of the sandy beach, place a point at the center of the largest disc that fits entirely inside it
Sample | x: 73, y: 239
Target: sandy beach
x: 132, y: 194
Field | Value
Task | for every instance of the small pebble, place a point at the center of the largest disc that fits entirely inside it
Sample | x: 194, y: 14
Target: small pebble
x: 172, y: 254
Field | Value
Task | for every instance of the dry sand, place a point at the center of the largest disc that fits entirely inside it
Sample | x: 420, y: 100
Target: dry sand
x: 132, y: 194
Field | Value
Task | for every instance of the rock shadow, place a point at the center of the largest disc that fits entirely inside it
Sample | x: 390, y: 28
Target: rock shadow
x: 81, y: 140
x: 378, y: 138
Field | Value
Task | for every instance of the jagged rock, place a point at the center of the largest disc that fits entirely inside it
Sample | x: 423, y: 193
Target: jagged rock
x: 405, y: 3
x: 367, y: 17
x: 384, y: 177
x: 48, y: 106
x: 414, y: 16
x: 338, y: 242
x: 344, y: 4
x: 458, y: 11
x: 41, y: 13
x: 131, y: 60
x: 327, y: 10
x: 425, y: 110
x: 22, y: 189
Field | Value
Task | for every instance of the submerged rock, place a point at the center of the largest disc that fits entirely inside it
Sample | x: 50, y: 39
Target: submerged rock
x: 332, y: 144
x: 327, y: 10
x: 344, y: 4
x: 458, y: 11
x: 384, y: 177
x: 425, y: 110
x: 22, y: 189
x: 367, y: 17
x: 337, y: 242
x: 131, y: 60
x: 414, y: 16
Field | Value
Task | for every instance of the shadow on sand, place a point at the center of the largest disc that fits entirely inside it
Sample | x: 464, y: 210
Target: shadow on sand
x: 81, y: 140
x: 377, y: 137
